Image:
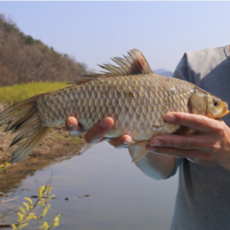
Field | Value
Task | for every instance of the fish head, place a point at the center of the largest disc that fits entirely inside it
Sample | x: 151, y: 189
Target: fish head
x: 202, y: 102
x: 216, y: 108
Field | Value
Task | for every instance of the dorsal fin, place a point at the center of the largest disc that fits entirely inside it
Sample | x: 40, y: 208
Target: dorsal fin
x: 132, y: 64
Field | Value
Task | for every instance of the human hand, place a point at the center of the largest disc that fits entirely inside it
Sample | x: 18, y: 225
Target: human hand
x: 97, y: 132
x: 209, y: 145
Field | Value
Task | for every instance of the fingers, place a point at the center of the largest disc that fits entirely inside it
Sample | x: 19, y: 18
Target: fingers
x: 121, y: 142
x: 181, y: 153
x: 72, y: 126
x: 196, y: 122
x: 179, y: 141
x: 97, y: 132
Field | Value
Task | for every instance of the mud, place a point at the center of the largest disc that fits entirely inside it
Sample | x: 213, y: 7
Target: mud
x: 57, y: 144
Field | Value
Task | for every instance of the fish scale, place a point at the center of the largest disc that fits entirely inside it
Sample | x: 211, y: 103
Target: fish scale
x: 135, y: 97
x: 128, y: 104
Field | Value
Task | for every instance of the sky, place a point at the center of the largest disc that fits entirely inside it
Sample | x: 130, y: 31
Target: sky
x: 93, y: 32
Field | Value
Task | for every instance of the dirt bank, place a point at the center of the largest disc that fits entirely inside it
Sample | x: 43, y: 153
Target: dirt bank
x: 57, y: 143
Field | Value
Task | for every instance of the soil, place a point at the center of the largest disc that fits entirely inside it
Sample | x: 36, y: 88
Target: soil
x: 57, y: 144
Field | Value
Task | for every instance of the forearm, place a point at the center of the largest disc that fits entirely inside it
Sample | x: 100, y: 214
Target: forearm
x: 156, y: 166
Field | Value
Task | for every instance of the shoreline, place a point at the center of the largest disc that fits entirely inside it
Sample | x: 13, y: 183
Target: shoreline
x: 57, y: 143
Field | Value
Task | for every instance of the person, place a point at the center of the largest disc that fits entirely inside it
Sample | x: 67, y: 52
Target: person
x: 203, y: 158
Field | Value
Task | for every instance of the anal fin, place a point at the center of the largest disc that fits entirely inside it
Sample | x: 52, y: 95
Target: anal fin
x: 137, y: 150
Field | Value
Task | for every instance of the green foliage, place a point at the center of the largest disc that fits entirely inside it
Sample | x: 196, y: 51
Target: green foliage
x: 19, y: 92
x: 25, y: 213
x: 7, y: 26
x: 29, y: 40
x: 4, y: 166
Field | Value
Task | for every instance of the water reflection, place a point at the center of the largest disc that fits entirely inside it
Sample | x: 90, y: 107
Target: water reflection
x: 121, y: 197
x: 11, y: 179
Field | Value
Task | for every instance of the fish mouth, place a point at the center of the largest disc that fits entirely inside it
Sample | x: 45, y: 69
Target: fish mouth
x: 225, y: 111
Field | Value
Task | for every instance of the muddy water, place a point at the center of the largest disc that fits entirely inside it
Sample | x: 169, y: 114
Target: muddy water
x: 120, y: 196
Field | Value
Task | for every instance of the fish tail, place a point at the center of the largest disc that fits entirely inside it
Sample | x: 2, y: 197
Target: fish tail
x: 24, y: 117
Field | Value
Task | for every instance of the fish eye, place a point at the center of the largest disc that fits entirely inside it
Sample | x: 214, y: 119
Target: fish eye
x: 215, y: 102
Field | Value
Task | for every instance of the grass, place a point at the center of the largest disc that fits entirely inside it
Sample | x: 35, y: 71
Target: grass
x: 78, y: 140
x: 16, y: 93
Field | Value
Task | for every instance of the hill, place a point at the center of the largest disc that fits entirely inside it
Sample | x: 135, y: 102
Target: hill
x: 25, y: 59
x: 163, y: 72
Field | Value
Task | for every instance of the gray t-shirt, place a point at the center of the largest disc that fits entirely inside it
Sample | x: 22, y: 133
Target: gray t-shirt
x: 203, y: 197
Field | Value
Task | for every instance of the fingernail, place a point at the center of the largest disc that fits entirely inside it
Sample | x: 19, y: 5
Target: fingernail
x: 105, y: 124
x: 155, y: 142
x: 70, y: 122
x: 169, y: 117
x: 127, y: 141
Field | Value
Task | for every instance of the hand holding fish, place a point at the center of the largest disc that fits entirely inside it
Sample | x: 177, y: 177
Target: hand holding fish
x: 209, y: 145
x: 159, y: 165
x: 97, y: 132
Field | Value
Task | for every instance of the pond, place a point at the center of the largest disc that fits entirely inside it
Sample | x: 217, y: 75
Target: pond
x: 120, y: 195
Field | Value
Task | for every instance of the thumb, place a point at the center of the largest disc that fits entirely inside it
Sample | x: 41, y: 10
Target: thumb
x: 72, y: 126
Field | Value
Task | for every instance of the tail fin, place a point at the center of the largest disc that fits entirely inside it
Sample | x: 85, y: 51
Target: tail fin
x: 25, y: 119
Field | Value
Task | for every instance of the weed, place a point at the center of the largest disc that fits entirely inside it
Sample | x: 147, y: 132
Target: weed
x: 4, y: 166
x: 78, y: 140
x: 59, y: 136
x: 26, y: 212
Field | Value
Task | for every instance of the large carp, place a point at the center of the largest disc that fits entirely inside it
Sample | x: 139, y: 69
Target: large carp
x: 130, y: 93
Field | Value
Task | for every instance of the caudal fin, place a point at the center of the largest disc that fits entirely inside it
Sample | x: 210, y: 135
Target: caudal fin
x: 23, y: 117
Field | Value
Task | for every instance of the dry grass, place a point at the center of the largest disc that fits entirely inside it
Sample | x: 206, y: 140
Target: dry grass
x: 3, y: 106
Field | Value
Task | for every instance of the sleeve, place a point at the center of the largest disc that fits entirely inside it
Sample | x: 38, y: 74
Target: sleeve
x: 182, y: 69
x: 178, y: 163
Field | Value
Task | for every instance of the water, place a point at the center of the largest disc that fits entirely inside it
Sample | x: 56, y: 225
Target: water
x: 121, y: 196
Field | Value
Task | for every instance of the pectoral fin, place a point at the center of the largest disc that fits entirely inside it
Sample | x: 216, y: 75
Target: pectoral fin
x: 137, y: 150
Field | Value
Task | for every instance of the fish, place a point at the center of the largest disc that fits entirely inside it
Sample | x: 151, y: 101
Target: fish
x: 128, y: 91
